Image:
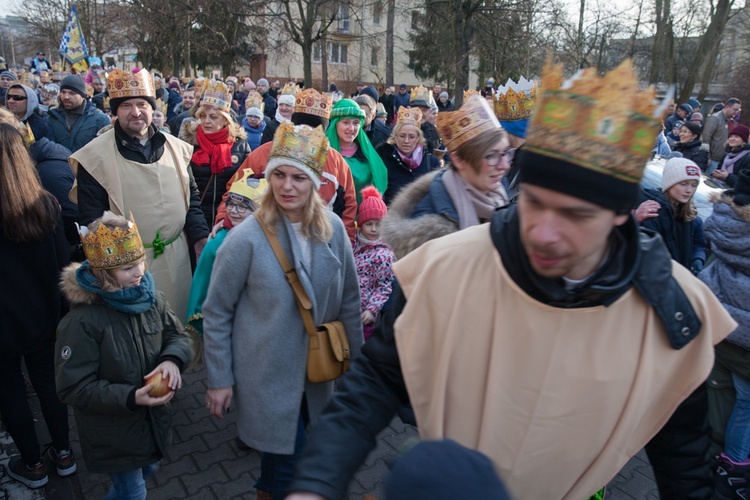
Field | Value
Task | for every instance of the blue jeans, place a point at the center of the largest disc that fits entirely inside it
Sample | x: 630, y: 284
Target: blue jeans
x: 277, y: 471
x: 711, y: 167
x: 130, y: 485
x: 737, y: 439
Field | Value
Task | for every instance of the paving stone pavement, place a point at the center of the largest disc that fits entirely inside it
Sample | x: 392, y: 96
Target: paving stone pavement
x: 204, y: 461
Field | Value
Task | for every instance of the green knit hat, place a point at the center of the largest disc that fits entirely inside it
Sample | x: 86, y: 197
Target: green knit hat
x: 347, y: 108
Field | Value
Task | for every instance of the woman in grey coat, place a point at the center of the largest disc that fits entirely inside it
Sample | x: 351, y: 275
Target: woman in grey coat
x: 255, y: 340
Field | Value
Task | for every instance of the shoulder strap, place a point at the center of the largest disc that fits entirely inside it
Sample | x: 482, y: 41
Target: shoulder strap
x: 303, y: 301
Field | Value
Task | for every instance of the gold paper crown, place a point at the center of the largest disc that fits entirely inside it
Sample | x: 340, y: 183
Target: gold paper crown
x: 474, y: 118
x: 606, y: 124
x: 299, y: 146
x: 217, y: 95
x: 162, y: 106
x: 409, y: 116
x: 89, y: 89
x: 312, y: 102
x: 107, y: 249
x: 105, y: 103
x: 420, y: 96
x: 249, y: 187
x: 469, y: 92
x: 127, y: 84
x: 515, y: 101
x: 201, y: 84
x: 255, y: 100
x: 290, y: 89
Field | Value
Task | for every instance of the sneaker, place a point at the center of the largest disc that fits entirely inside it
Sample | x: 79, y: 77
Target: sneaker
x: 729, y: 478
x: 36, y: 477
x: 65, y: 461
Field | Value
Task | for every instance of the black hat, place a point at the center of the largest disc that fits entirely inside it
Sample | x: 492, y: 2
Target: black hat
x: 370, y: 90
x: 741, y: 191
x: 402, y: 86
x: 687, y: 108
x: 75, y: 84
x: 693, y: 127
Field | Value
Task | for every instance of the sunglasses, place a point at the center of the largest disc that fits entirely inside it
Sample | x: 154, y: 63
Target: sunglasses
x: 16, y: 97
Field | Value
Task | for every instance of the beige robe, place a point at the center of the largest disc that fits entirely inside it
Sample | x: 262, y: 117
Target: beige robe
x: 559, y: 399
x: 158, y: 195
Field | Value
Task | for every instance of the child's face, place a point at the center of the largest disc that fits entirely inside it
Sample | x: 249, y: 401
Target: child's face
x: 237, y: 211
x: 371, y: 229
x: 130, y: 274
x: 158, y: 118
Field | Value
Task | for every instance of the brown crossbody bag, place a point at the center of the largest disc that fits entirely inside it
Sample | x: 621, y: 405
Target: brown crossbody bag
x: 328, y: 353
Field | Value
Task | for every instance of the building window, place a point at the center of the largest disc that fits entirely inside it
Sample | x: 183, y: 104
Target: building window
x: 374, y: 57
x: 338, y: 53
x: 377, y: 12
x: 343, y: 18
x: 316, y: 52
x: 416, y: 19
x: 411, y: 61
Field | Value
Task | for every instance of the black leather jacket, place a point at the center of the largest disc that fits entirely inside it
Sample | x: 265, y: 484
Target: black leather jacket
x: 367, y: 396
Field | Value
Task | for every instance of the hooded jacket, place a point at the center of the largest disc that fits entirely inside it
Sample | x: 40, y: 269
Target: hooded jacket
x: 254, y: 135
x: 34, y: 116
x: 84, y: 130
x: 102, y: 357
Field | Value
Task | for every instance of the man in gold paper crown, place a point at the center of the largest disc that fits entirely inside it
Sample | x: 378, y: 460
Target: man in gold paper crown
x: 336, y: 184
x: 136, y: 168
x: 421, y: 98
x: 558, y: 339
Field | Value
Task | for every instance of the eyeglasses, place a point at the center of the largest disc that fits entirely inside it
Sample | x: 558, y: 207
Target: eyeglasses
x: 17, y: 97
x: 240, y: 208
x: 496, y: 158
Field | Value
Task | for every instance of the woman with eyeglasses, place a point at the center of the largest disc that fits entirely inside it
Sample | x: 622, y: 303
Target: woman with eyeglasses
x: 465, y: 194
x: 405, y: 154
x: 239, y: 204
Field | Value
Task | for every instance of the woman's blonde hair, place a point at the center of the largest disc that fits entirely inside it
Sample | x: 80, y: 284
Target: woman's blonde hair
x: 683, y: 211
x: 397, y: 128
x: 474, y: 150
x: 105, y: 277
x: 235, y: 129
x: 315, y: 222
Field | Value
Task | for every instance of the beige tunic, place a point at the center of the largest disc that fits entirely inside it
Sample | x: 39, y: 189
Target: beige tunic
x: 158, y: 195
x: 559, y: 399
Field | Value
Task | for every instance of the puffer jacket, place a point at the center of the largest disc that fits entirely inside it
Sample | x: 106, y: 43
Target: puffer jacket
x: 693, y: 151
x: 84, y: 130
x: 102, y: 357
x: 213, y: 187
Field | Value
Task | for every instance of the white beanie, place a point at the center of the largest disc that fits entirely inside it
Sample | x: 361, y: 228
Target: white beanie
x: 286, y: 99
x: 262, y: 81
x: 677, y: 170
x: 253, y: 111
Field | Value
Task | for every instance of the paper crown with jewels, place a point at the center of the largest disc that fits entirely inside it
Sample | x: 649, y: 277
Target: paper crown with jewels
x: 312, y: 102
x: 474, y: 118
x: 162, y: 106
x: 107, y: 249
x: 248, y: 186
x: 515, y: 101
x: 290, y: 89
x: 217, y: 95
x: 299, y: 146
x: 420, y: 96
x: 126, y: 84
x: 469, y: 92
x: 106, y: 104
x: 591, y: 136
x: 409, y: 116
x: 255, y: 100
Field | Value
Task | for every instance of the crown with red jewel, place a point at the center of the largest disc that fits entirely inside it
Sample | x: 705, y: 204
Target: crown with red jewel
x: 128, y: 84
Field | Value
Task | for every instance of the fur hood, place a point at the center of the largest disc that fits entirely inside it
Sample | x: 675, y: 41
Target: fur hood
x: 725, y: 197
x: 403, y: 233
x: 188, y: 131
x: 72, y: 291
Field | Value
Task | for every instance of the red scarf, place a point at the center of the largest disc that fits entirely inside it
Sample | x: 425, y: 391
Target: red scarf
x: 214, y: 148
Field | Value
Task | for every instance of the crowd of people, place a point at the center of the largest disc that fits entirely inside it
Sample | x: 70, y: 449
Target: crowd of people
x: 500, y: 278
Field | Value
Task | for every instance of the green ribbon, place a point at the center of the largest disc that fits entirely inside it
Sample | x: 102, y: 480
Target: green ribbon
x: 599, y: 494
x: 158, y: 245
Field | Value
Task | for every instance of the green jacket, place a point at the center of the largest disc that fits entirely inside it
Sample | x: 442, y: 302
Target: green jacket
x: 101, y: 357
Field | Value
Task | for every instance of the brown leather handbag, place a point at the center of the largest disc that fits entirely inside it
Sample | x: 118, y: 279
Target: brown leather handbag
x: 328, y: 353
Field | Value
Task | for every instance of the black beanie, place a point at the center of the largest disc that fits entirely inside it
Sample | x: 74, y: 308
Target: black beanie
x: 114, y: 103
x: 372, y: 92
x: 75, y: 84
x: 693, y: 127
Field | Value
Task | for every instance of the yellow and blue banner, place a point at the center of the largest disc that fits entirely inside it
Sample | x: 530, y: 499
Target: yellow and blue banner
x: 73, y: 45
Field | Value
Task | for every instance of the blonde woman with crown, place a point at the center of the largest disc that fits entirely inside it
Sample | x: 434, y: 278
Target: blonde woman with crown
x: 255, y: 343
x: 220, y: 147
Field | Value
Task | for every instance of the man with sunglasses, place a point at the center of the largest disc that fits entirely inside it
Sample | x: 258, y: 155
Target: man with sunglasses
x: 23, y: 102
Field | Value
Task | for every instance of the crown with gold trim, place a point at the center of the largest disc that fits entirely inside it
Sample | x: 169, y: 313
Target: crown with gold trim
x: 299, y: 146
x: 106, y: 104
x: 218, y: 96
x: 28, y: 79
x: 107, y: 249
x: 409, y: 116
x: 469, y: 92
x: 162, y: 106
x: 290, y: 89
x: 312, y: 102
x: 515, y: 101
x: 201, y: 84
x: 89, y: 89
x: 126, y: 84
x: 420, y: 96
x: 474, y: 118
x: 248, y: 186
x: 607, y: 124
x: 255, y: 100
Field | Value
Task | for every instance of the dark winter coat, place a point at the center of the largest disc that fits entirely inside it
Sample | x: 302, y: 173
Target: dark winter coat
x: 740, y: 165
x: 693, y: 151
x: 378, y: 133
x: 109, y: 353
x: 57, y: 177
x: 270, y: 105
x: 368, y: 395
x: 30, y: 298
x: 684, y: 240
x: 387, y: 101
x: 83, y: 131
x: 431, y: 136
x: 270, y: 130
x: 400, y: 175
x: 400, y: 100
x: 448, y: 106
